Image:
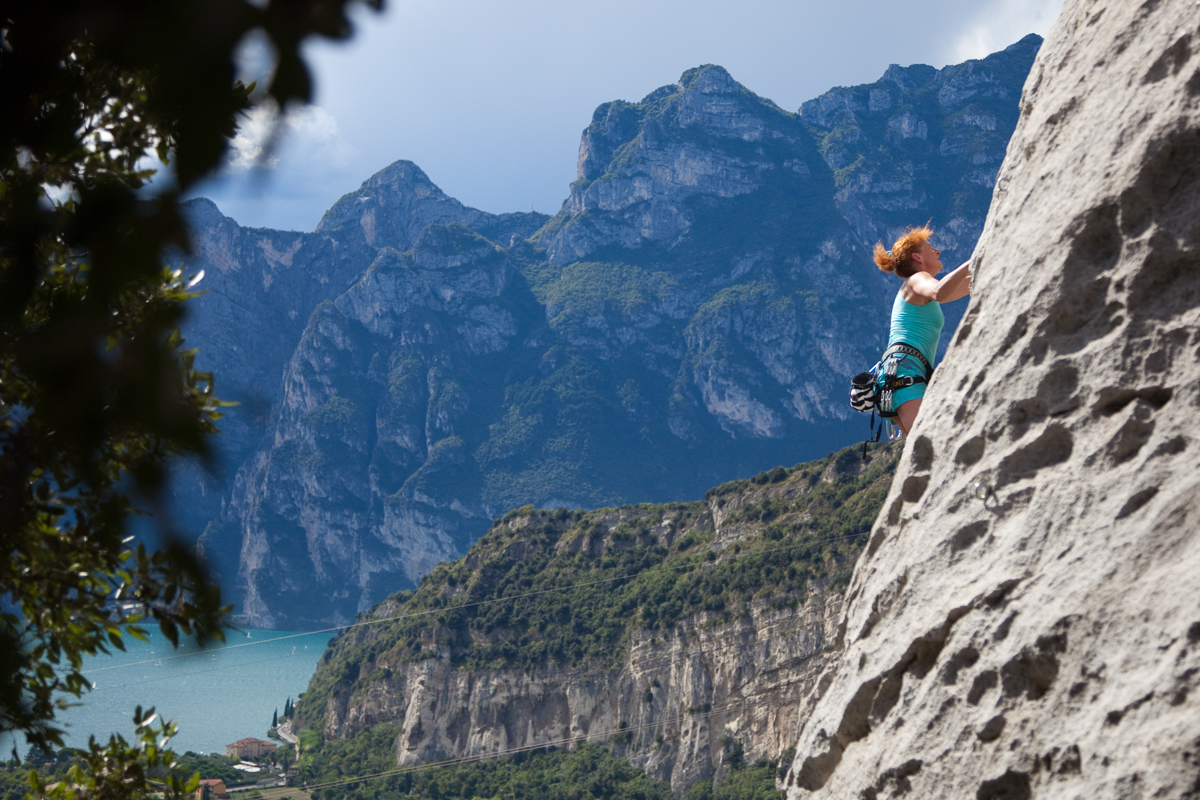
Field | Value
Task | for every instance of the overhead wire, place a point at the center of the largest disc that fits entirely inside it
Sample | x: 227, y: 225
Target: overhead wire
x: 677, y: 658
x: 629, y: 666
x: 478, y: 603
x: 177, y: 675
x: 671, y: 659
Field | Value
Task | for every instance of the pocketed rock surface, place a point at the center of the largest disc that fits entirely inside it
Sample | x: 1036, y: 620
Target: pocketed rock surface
x: 1025, y: 621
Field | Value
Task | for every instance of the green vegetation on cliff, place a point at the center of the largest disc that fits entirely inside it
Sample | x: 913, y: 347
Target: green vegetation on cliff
x: 587, y: 772
x: 55, y: 767
x: 570, y: 588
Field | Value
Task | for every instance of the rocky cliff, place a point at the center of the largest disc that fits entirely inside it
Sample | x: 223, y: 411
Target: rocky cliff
x: 414, y: 368
x: 1024, y: 621
x: 681, y: 634
x: 294, y: 518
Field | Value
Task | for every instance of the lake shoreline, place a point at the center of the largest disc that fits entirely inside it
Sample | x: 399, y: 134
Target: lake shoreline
x: 216, y: 695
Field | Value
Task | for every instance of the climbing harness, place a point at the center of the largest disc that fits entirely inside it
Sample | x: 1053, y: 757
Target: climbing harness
x: 873, y: 391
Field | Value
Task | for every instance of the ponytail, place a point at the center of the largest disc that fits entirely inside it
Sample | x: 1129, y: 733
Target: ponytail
x: 898, y: 260
x: 884, y: 259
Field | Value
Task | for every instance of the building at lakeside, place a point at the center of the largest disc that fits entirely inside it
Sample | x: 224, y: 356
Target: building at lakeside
x: 210, y: 788
x: 251, y: 749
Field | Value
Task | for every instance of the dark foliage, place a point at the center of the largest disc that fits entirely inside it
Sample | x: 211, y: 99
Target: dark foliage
x: 96, y: 392
x: 744, y: 783
x: 212, y: 765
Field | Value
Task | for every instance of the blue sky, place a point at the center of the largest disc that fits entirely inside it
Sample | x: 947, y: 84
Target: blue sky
x: 490, y: 98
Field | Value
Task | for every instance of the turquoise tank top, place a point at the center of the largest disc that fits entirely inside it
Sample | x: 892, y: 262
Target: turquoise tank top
x: 917, y: 326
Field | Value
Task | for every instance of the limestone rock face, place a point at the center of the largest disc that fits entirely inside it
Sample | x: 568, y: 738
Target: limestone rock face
x: 740, y: 680
x: 290, y: 323
x: 894, y: 144
x: 396, y: 204
x: 639, y: 164
x: 259, y: 288
x: 1025, y: 621
x: 373, y: 389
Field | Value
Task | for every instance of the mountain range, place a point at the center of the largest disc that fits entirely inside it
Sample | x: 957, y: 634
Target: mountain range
x: 414, y: 368
x: 999, y: 606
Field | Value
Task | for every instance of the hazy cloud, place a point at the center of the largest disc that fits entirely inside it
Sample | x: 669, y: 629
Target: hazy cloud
x: 279, y: 170
x: 308, y: 137
x: 256, y: 58
x: 1000, y: 23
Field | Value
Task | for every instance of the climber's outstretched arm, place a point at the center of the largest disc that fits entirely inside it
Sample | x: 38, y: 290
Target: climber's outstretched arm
x: 950, y: 288
x: 955, y: 285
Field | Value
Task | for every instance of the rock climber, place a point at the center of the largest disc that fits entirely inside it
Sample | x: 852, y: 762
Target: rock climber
x: 917, y: 317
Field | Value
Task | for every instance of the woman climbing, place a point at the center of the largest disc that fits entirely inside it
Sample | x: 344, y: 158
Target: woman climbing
x: 917, y: 318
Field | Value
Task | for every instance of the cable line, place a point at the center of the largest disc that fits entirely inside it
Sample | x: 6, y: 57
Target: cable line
x: 174, y: 675
x: 682, y: 657
x: 478, y: 603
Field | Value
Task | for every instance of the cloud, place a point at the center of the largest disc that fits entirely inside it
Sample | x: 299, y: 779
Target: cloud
x: 256, y: 59
x: 1000, y: 23
x: 306, y: 138
x: 282, y: 171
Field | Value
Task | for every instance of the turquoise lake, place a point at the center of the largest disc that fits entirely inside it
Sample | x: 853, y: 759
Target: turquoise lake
x: 216, y: 696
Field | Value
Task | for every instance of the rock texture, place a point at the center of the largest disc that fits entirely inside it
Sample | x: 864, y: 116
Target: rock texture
x: 297, y: 519
x: 363, y: 487
x: 1025, y: 620
x: 414, y: 368
x: 709, y: 686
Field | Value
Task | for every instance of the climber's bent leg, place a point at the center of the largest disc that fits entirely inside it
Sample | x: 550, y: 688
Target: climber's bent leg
x: 906, y: 415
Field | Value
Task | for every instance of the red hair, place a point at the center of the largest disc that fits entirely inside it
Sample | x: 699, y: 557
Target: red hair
x: 898, y: 260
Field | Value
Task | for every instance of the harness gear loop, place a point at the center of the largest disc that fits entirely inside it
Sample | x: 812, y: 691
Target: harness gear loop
x: 909, y: 350
x: 874, y: 390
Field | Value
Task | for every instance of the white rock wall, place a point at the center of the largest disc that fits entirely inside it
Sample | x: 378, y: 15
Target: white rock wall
x: 743, y: 680
x: 1026, y: 619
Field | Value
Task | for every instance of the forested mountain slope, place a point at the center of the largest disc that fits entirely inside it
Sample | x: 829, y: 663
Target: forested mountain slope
x: 585, y: 772
x: 682, y: 633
